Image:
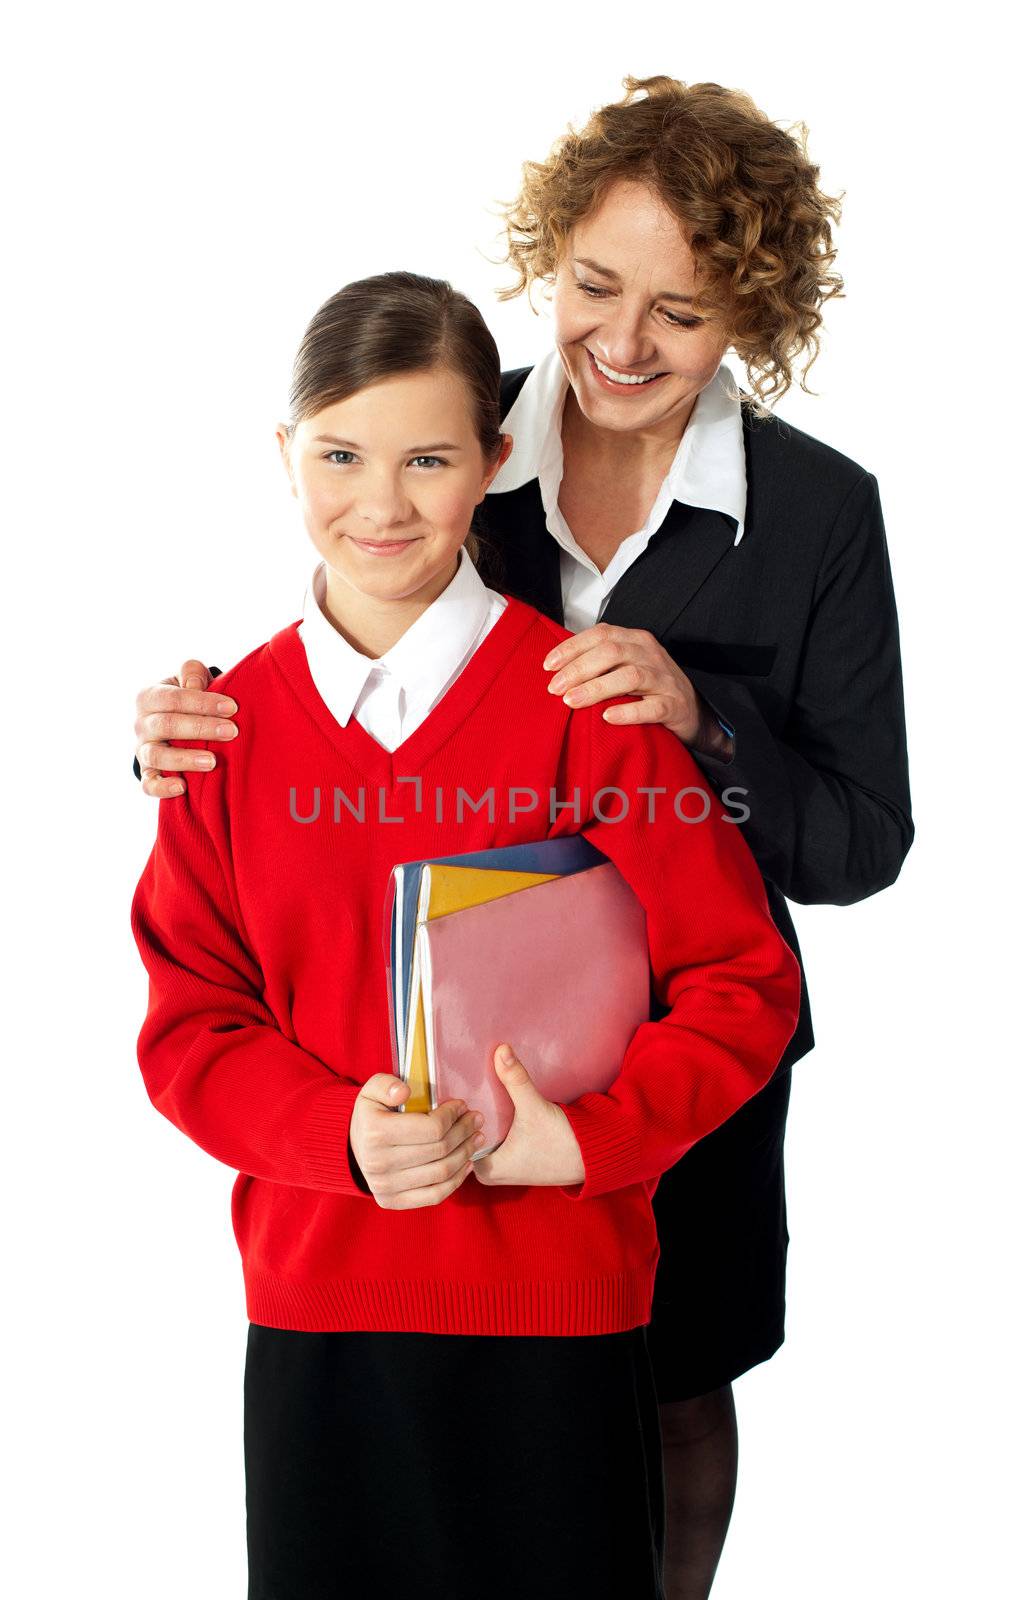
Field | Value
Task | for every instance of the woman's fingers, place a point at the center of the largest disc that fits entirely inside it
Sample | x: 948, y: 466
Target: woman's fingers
x: 598, y: 650
x: 173, y: 757
x: 161, y: 788
x: 180, y: 723
x: 606, y: 661
x: 601, y: 633
x: 652, y: 708
x: 631, y: 678
x: 167, y: 711
x: 194, y: 675
x: 169, y: 697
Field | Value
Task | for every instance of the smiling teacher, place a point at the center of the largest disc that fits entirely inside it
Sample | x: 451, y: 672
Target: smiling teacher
x: 733, y: 573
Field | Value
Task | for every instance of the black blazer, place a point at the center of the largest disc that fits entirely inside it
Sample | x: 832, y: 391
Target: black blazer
x: 791, y: 636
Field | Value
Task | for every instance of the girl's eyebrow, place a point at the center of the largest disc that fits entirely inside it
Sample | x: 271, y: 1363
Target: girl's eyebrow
x: 413, y: 450
x: 607, y: 272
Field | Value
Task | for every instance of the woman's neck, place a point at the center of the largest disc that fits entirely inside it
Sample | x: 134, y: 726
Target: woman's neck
x: 640, y: 455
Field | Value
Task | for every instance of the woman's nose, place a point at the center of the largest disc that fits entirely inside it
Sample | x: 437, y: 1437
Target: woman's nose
x: 625, y: 342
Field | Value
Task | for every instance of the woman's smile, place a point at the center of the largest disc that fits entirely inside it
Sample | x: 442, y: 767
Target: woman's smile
x: 615, y: 382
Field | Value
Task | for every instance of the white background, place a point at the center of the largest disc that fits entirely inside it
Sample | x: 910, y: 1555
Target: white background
x: 185, y: 186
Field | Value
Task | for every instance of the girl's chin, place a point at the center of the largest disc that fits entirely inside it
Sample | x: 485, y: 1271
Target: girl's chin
x: 391, y: 577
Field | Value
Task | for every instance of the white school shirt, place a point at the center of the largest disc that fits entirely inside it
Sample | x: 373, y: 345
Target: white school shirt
x: 708, y: 470
x: 391, y: 695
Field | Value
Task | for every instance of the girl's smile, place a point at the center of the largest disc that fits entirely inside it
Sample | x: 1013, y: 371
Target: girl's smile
x: 381, y: 547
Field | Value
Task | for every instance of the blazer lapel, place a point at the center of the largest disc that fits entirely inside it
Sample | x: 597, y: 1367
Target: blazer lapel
x: 671, y: 569
x: 653, y: 591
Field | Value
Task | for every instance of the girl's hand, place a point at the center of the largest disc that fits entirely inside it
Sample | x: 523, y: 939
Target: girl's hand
x: 540, y: 1147
x: 415, y: 1160
x: 179, y: 708
x: 604, y: 661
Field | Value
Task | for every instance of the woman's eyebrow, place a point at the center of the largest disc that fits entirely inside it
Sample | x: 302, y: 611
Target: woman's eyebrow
x: 607, y: 272
x: 411, y: 450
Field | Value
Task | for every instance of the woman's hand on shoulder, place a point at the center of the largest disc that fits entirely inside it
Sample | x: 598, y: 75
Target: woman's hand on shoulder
x: 604, y: 661
x: 179, y: 708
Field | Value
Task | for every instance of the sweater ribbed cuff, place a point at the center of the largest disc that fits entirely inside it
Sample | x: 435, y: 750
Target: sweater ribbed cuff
x: 326, y: 1141
x: 609, y: 1146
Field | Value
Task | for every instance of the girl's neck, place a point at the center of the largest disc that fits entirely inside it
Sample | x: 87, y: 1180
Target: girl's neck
x: 373, y: 626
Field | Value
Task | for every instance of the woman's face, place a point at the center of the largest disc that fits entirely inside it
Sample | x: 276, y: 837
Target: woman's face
x: 623, y: 298
x: 388, y: 480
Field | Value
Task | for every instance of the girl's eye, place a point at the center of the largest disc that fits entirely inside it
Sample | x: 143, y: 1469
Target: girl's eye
x: 333, y: 456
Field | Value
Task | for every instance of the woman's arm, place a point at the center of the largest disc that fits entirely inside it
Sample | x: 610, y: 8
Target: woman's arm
x: 731, y: 983
x: 213, y: 1059
x: 179, y: 708
x: 829, y: 798
x: 830, y: 817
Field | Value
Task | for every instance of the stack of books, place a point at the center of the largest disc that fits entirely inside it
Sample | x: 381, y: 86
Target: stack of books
x: 542, y: 946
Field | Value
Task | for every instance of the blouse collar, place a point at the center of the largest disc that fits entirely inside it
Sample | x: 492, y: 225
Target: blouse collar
x: 423, y: 659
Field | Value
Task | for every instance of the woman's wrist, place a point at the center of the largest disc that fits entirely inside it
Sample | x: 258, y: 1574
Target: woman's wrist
x: 711, y: 738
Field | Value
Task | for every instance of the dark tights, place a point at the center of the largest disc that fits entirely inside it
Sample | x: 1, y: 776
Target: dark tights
x: 700, y: 1468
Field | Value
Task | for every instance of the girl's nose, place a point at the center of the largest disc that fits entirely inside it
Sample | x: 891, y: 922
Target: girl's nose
x: 384, y: 504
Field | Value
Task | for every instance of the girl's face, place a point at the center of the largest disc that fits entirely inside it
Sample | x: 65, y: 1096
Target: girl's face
x: 623, y: 298
x: 388, y: 480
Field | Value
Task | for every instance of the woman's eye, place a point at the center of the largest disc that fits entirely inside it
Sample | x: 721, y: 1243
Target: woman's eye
x: 596, y: 292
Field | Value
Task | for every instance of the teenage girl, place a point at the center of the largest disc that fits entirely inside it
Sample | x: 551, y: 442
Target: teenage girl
x: 447, y: 1387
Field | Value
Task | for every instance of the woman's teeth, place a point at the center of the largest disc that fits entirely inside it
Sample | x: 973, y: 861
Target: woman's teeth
x: 623, y: 377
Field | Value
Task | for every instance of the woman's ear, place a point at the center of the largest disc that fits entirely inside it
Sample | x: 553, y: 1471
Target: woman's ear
x: 283, y: 440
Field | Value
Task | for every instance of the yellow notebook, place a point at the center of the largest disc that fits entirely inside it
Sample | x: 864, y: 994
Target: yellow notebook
x: 442, y: 890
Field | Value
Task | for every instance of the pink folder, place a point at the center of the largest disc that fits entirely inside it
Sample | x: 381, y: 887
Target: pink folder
x: 560, y: 971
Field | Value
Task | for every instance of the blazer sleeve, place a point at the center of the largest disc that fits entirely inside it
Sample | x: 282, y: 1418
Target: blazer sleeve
x: 213, y: 1059
x: 829, y: 799
x: 730, y: 982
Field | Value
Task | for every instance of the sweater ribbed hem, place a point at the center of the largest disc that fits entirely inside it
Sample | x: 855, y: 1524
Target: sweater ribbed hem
x: 587, y: 1306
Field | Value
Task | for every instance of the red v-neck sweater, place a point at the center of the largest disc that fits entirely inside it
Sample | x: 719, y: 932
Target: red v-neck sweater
x: 262, y: 938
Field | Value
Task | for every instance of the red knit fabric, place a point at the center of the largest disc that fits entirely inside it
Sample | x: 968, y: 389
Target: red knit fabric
x: 261, y: 935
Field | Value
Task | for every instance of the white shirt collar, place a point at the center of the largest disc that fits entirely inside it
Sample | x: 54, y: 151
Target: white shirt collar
x: 425, y: 657
x: 708, y: 468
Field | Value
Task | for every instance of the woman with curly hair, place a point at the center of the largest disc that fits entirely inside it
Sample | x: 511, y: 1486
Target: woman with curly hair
x: 730, y: 571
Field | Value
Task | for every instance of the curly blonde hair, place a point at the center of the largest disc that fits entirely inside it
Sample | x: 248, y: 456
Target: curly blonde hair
x: 746, y: 197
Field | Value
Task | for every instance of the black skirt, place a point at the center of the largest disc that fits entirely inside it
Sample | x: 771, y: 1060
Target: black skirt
x: 719, y: 1302
x: 383, y: 1465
